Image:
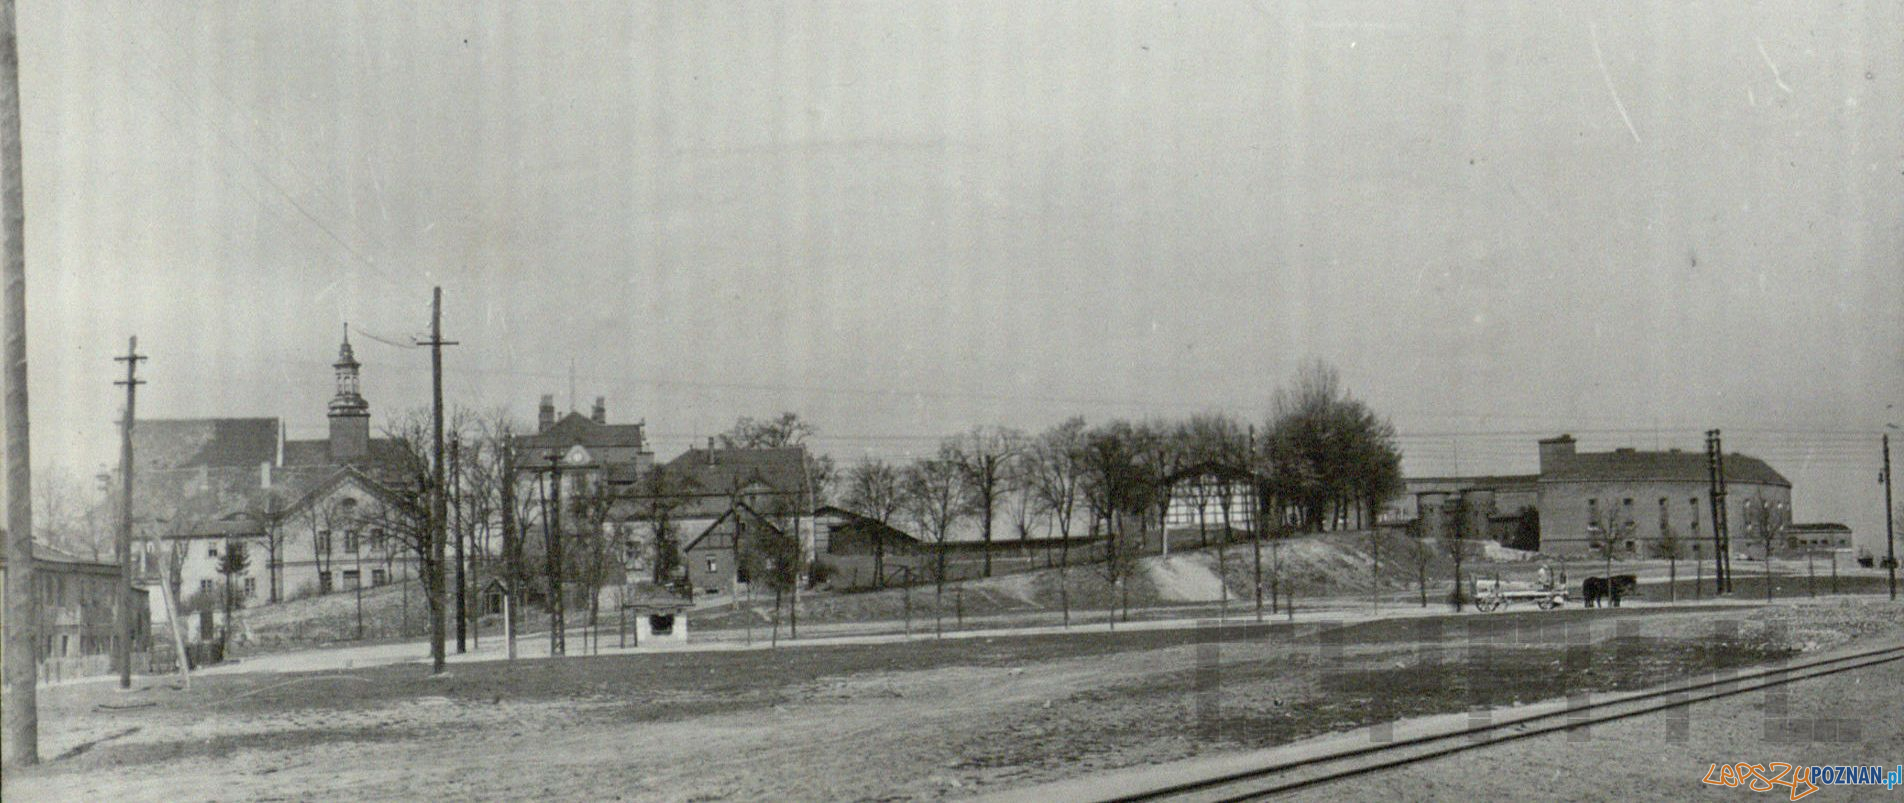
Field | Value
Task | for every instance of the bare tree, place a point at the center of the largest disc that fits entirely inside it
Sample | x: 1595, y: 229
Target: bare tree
x: 1422, y: 557
x: 657, y: 495
x: 233, y: 562
x: 935, y: 497
x: 984, y: 457
x: 596, y: 542
x: 1120, y: 487
x: 1053, y: 474
x: 403, y: 509
x: 784, y: 431
x: 873, y: 490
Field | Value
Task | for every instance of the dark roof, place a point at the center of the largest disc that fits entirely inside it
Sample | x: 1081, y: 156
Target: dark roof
x: 1819, y: 527
x: 43, y: 554
x: 1673, y: 466
x: 210, y: 442
x: 577, y: 429
x: 850, y: 520
x: 724, y: 471
x: 647, y: 594
x: 380, y: 451
x: 1481, y: 481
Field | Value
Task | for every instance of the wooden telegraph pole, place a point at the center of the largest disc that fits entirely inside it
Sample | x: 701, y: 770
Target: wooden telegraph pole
x: 1890, y: 539
x: 511, y: 540
x: 552, y: 524
x: 19, y: 712
x: 122, y: 544
x: 438, y: 507
x: 462, y: 611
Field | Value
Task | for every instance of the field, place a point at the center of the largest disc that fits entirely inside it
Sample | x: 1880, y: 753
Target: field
x: 907, y: 720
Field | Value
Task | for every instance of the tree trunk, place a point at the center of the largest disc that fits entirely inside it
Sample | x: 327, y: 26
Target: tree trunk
x: 1064, y: 564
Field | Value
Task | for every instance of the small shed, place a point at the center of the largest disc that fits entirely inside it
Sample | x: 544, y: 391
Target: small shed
x: 660, y: 614
x: 492, y: 597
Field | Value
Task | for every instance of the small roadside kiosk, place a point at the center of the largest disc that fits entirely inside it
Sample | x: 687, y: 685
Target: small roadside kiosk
x: 659, y: 614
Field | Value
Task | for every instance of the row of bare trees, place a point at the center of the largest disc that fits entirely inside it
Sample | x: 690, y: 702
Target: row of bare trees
x: 1325, y: 460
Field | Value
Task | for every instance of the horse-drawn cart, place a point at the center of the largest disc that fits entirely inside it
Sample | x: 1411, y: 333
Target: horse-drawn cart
x: 1493, y: 595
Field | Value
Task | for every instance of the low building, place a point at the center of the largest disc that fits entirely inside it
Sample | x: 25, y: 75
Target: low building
x: 75, y: 597
x: 659, y: 614
x: 1817, y: 537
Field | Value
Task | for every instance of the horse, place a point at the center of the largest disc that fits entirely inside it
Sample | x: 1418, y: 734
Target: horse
x: 1595, y: 589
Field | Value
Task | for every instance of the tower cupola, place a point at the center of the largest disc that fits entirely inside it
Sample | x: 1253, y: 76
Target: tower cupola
x: 349, y: 413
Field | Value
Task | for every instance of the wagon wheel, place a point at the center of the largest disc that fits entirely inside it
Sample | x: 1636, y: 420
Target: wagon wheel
x: 1486, y: 604
x: 1547, y: 603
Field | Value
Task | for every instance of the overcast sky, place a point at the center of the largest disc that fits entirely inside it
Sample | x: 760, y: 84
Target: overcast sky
x: 1631, y: 221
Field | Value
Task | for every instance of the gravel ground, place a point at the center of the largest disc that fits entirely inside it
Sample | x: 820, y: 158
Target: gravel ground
x: 919, y: 720
x: 1844, y: 719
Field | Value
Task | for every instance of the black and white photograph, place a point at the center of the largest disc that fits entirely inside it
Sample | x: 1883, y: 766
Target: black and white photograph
x: 918, y: 400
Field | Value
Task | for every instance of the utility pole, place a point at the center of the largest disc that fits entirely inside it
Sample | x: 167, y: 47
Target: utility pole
x: 1725, y: 517
x: 552, y: 537
x: 122, y: 544
x: 511, y: 541
x: 19, y: 716
x: 1890, y: 538
x: 438, y: 511
x: 456, y: 511
x: 1721, y: 543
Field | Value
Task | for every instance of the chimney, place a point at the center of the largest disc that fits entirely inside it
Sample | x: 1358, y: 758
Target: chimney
x: 1555, y: 451
x: 710, y: 450
x: 545, y: 417
x: 600, y: 413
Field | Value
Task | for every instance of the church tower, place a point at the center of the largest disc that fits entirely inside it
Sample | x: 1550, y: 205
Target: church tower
x: 350, y: 414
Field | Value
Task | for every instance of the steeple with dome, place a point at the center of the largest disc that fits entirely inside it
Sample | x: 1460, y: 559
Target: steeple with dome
x: 349, y: 414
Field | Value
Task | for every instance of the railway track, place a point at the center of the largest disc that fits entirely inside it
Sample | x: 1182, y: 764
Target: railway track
x: 1288, y: 776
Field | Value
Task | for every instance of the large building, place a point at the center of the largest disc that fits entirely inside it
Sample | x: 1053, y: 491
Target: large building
x: 1628, y: 499
x: 1634, y: 498
x: 315, y: 516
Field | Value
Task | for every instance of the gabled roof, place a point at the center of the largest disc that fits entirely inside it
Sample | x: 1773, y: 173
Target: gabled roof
x: 849, y: 519
x: 336, y: 479
x: 725, y: 471
x: 171, y: 443
x: 732, y: 512
x: 576, y: 429
x: 1671, y: 466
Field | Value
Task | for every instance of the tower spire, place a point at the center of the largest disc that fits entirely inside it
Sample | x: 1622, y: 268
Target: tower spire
x: 349, y: 412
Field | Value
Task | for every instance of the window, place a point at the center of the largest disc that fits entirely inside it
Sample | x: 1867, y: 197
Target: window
x: 205, y: 584
x: 251, y: 586
x: 352, y: 578
x: 323, y: 582
x: 211, y: 551
x: 712, y: 566
x: 350, y: 541
x: 379, y: 577
x: 323, y: 541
